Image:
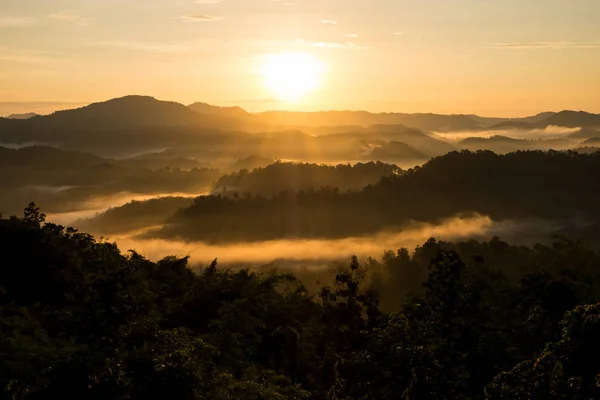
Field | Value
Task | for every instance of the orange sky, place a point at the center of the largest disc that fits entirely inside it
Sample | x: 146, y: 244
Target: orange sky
x: 505, y: 58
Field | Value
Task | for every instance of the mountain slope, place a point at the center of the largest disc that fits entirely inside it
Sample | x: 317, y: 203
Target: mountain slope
x: 207, y: 109
x: 23, y: 116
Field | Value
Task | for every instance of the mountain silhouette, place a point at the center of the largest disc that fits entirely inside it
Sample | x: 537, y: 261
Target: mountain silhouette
x: 565, y: 118
x: 23, y: 116
x: 128, y: 111
x: 207, y: 109
x: 574, y: 119
x: 429, y: 122
x: 396, y: 151
x: 503, y: 144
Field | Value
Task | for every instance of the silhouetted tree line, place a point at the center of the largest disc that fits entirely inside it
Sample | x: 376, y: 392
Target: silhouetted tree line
x: 79, y: 319
x: 552, y: 185
x: 61, y: 181
x: 281, y: 176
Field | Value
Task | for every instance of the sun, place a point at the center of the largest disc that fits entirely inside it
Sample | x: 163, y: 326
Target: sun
x: 291, y: 76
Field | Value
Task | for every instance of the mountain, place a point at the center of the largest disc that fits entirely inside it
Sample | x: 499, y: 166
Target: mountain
x: 591, y: 142
x: 207, y: 109
x: 491, y: 121
x: 373, y: 136
x: 574, y: 119
x: 44, y: 158
x: 23, y: 116
x: 429, y: 122
x: 125, y: 112
x: 566, y: 118
x: 395, y: 151
x: 503, y: 144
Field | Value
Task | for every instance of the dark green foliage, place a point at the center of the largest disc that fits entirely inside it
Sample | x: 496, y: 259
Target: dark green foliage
x: 555, y: 186
x: 471, y: 320
x: 281, y: 176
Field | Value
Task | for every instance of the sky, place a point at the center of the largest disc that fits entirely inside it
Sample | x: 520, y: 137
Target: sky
x: 488, y: 57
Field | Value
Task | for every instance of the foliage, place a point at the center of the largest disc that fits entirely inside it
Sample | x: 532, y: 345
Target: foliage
x: 471, y: 320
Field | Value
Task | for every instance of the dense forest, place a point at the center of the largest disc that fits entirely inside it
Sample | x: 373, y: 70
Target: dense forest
x: 543, y: 185
x: 278, y: 177
x: 448, y: 319
x: 79, y: 319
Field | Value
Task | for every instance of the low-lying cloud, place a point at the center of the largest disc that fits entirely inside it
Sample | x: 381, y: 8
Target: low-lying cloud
x: 317, y: 252
x: 200, y: 18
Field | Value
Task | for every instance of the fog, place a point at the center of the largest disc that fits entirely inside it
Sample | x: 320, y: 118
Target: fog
x: 550, y: 132
x: 319, y: 253
x: 99, y: 205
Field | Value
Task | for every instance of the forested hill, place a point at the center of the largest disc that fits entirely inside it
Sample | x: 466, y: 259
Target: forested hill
x: 551, y: 185
x: 280, y: 176
x: 81, y: 320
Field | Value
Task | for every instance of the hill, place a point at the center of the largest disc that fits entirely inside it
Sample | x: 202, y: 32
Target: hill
x: 207, y: 109
x: 429, y: 122
x: 23, y: 116
x: 279, y: 177
x: 133, y: 215
x: 551, y: 185
x: 574, y: 119
x: 566, y: 118
x: 591, y: 142
x: 395, y: 151
x: 126, y: 112
x: 503, y: 144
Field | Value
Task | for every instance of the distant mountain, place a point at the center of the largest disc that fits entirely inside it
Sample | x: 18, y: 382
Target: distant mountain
x: 566, y: 118
x: 251, y: 162
x: 23, y: 116
x: 396, y: 152
x: 207, y: 109
x: 591, y: 142
x: 574, y: 119
x: 374, y: 135
x: 129, y: 111
x: 503, y: 144
x: 491, y: 121
x: 45, y: 157
x: 123, y: 113
x: 429, y: 122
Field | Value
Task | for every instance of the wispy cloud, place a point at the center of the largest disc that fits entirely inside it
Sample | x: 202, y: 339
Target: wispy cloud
x: 208, y: 1
x: 200, y: 18
x: 546, y: 45
x: 28, y: 56
x: 16, y: 22
x: 329, y: 21
x: 268, y: 100
x: 351, y: 35
x: 338, y: 45
x: 72, y: 17
x: 398, y: 33
x: 149, y: 47
x: 328, y: 45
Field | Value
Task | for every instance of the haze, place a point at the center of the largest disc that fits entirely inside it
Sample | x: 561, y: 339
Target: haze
x: 500, y: 58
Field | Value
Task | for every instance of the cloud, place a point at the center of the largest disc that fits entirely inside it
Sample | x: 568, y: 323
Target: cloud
x: 398, y: 33
x: 71, y: 16
x: 16, y: 22
x: 311, y: 251
x: 208, y: 1
x: 328, y: 21
x: 328, y: 45
x: 268, y: 100
x: 30, y: 56
x: 150, y: 47
x: 351, y: 35
x: 200, y: 18
x: 546, y: 45
x: 338, y: 45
